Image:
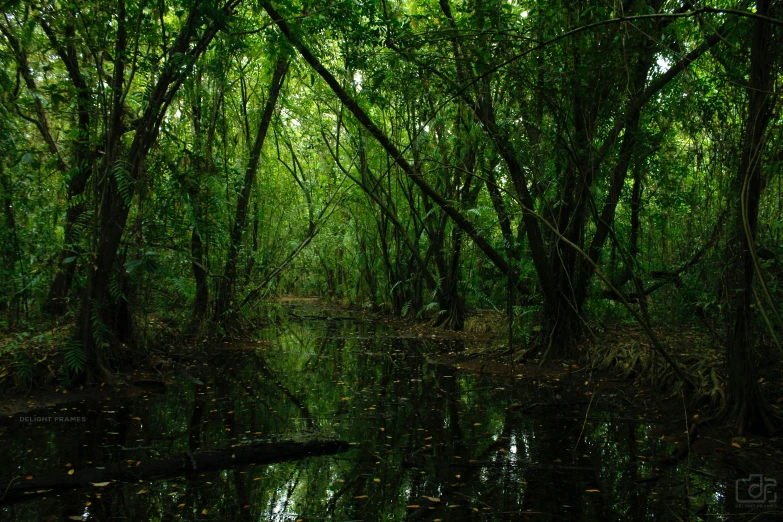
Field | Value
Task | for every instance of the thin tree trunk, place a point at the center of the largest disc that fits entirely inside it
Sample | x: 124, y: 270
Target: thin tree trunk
x: 226, y: 302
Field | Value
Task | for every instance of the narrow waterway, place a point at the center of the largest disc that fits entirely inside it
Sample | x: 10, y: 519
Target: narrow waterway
x: 429, y: 442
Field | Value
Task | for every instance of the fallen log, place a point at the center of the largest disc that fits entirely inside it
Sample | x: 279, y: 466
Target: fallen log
x: 183, y: 464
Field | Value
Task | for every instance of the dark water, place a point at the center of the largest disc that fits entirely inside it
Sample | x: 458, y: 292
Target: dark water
x: 419, y: 430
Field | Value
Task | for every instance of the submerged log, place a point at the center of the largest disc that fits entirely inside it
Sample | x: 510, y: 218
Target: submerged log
x: 186, y: 463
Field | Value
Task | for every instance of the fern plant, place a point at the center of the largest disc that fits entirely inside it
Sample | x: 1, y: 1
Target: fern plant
x: 74, y: 357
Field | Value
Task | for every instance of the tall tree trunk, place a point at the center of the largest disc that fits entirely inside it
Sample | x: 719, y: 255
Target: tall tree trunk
x: 103, y: 322
x: 10, y: 248
x: 226, y: 302
x: 201, y: 301
x: 81, y: 164
x: 746, y: 406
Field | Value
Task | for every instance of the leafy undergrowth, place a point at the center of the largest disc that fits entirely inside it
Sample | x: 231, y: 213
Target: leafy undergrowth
x: 32, y: 358
x: 626, y: 350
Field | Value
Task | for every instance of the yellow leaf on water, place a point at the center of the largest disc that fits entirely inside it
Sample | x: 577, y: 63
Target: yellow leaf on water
x: 593, y: 491
x: 100, y: 484
x: 70, y: 472
x: 180, y: 506
x: 376, y: 480
x: 204, y: 511
x: 432, y: 499
x: 735, y: 445
x: 361, y: 496
x: 142, y: 491
x: 413, y: 506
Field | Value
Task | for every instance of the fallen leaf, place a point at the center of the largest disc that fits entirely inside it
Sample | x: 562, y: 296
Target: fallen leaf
x: 432, y: 499
x: 413, y: 506
x: 100, y: 484
x: 592, y: 491
x: 361, y: 496
x: 70, y: 472
x: 142, y: 491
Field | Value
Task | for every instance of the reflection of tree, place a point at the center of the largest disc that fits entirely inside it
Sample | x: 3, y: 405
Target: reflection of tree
x: 264, y: 369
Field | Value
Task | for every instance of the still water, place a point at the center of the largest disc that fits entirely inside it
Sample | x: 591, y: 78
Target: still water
x: 428, y: 442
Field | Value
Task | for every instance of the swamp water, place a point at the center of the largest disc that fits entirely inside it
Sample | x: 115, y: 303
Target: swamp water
x: 429, y: 442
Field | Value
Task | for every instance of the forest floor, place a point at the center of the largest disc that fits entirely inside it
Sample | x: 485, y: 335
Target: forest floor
x: 616, y: 379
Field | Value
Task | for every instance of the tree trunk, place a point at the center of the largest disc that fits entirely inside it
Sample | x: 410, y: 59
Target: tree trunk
x: 184, y: 464
x: 83, y: 154
x: 103, y: 322
x: 226, y: 302
x: 201, y: 301
x: 747, y: 408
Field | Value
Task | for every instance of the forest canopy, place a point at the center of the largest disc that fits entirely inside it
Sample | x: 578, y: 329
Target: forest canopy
x: 567, y: 162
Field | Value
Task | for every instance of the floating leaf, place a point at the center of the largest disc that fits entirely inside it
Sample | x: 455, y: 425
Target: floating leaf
x: 70, y: 472
x: 360, y: 496
x: 100, y: 484
x: 593, y: 491
x: 142, y: 491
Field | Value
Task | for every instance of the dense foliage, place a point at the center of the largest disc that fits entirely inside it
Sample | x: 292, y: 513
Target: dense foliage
x: 571, y: 162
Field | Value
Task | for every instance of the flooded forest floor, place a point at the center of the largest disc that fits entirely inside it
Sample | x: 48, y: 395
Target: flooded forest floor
x: 423, y: 425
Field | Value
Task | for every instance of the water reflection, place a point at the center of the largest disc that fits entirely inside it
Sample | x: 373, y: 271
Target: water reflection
x: 430, y: 442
